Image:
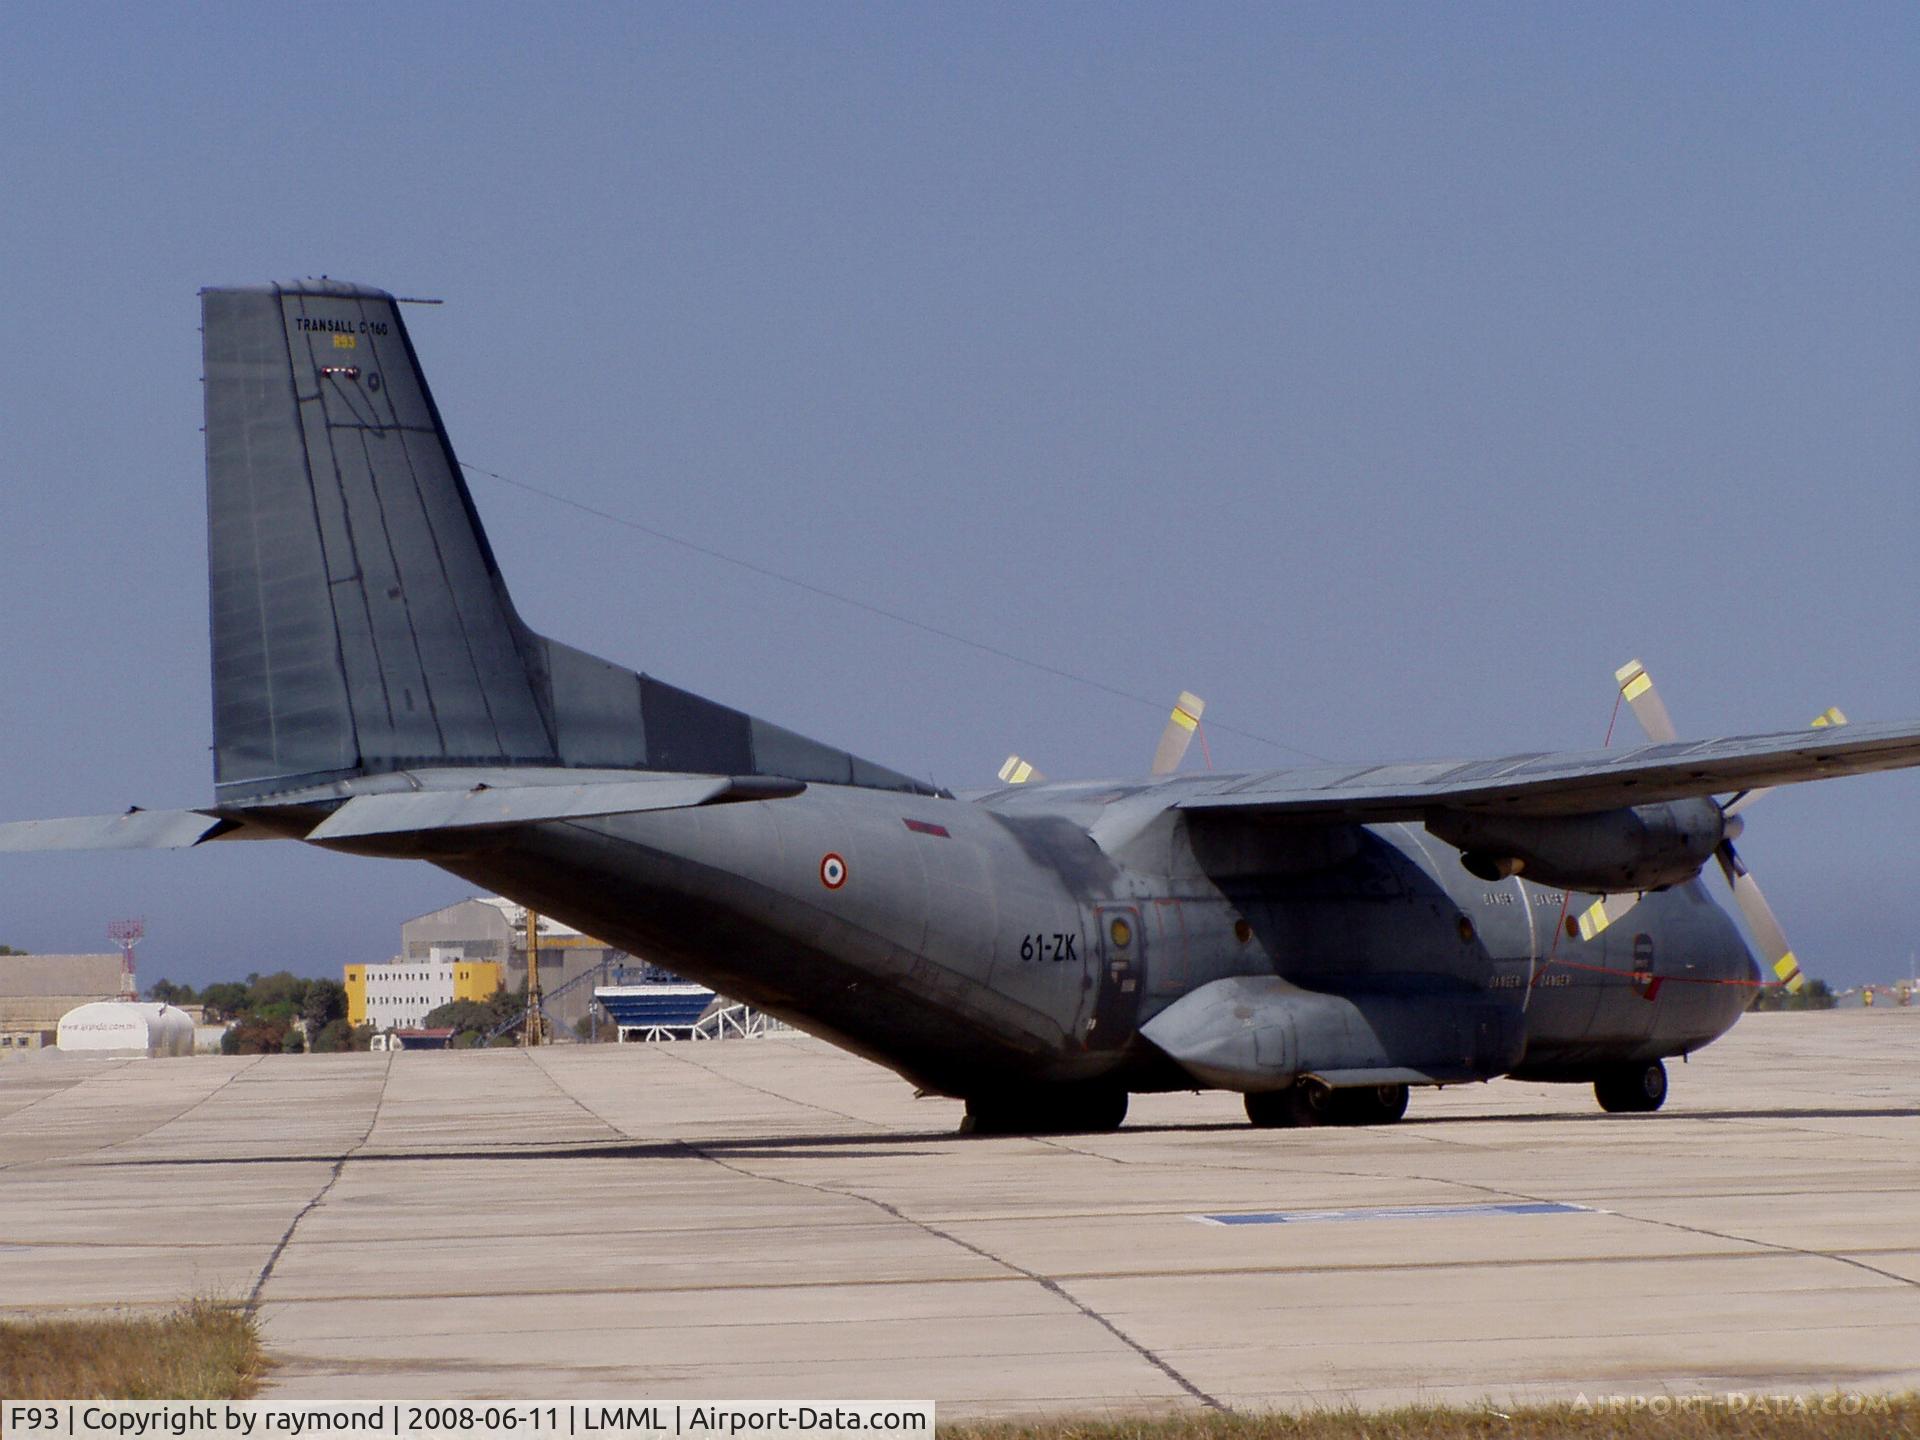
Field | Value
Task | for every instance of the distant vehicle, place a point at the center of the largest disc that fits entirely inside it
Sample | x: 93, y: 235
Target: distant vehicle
x: 1317, y: 939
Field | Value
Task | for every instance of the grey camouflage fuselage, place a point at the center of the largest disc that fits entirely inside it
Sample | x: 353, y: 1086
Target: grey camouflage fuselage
x: 1343, y: 930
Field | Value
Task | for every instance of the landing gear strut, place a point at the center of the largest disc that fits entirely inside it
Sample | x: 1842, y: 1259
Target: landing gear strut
x: 1631, y: 1089
x: 1056, y: 1110
x: 1308, y: 1102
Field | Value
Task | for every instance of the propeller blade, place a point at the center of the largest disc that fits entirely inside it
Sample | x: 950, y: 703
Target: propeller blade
x: 1636, y: 688
x: 1019, y: 772
x: 1605, y: 911
x: 1178, y: 734
x: 1759, y: 916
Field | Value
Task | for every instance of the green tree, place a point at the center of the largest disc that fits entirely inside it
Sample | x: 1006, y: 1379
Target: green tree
x: 168, y: 993
x: 9, y: 950
x: 333, y: 1038
x: 280, y: 989
x: 224, y: 998
x: 258, y: 1035
x: 326, y: 1002
x: 469, y: 1019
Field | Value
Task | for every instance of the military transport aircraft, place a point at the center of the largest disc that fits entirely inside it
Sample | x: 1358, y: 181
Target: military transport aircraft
x: 1317, y: 939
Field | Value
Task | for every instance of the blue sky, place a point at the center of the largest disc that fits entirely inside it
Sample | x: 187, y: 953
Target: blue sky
x: 1385, y: 374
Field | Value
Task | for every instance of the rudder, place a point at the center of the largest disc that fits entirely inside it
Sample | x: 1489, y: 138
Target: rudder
x: 359, y: 620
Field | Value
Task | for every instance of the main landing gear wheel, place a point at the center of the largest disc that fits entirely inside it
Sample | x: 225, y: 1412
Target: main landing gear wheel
x: 1632, y: 1089
x: 1370, y: 1104
x: 1307, y: 1103
x: 1302, y: 1104
x: 1064, y: 1110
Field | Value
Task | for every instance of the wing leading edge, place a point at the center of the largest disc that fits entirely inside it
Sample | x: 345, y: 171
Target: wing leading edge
x: 1575, y: 782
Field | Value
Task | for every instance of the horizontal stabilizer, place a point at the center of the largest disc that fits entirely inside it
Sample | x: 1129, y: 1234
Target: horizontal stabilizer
x: 421, y: 810
x: 135, y: 830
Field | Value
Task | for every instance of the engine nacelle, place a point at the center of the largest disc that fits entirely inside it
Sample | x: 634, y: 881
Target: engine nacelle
x: 1642, y: 847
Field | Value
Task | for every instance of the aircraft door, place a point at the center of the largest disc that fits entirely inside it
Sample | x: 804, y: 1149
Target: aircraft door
x: 1171, y: 962
x: 1119, y: 953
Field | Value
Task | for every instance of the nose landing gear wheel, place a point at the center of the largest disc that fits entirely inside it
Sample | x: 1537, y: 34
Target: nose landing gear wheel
x: 1632, y: 1089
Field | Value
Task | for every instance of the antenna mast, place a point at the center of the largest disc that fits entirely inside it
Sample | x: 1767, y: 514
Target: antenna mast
x: 533, y: 1030
x: 127, y: 934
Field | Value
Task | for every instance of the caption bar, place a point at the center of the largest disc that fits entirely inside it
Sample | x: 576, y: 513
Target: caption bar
x: 406, y: 1420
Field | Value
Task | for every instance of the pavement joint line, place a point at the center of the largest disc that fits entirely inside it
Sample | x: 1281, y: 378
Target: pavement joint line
x: 507, y: 1237
x: 1777, y: 1247
x: 762, y: 1090
x: 1013, y: 1277
x: 80, y: 1155
x: 625, y: 1147
x: 1551, y: 1308
x: 1769, y: 1246
x: 57, y: 1091
x: 565, y: 1094
x: 1754, y: 1120
x: 333, y: 1178
x: 1047, y: 1283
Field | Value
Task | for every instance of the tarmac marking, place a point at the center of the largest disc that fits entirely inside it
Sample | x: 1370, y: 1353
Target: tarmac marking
x: 1397, y: 1212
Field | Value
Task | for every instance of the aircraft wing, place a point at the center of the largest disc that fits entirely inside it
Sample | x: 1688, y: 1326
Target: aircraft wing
x: 468, y: 807
x: 1575, y: 782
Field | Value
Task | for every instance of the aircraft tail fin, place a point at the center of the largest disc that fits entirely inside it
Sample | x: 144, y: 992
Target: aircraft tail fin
x: 360, y: 621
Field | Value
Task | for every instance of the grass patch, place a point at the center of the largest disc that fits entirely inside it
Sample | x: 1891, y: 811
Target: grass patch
x: 202, y: 1351
x: 1764, y: 1417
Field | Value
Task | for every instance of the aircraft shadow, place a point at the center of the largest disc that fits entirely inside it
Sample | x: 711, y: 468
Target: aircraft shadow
x: 652, y: 1149
x: 1904, y: 1112
x: 826, y: 1145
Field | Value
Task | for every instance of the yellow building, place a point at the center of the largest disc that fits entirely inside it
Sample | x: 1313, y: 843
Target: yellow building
x: 401, y: 993
x: 490, y: 928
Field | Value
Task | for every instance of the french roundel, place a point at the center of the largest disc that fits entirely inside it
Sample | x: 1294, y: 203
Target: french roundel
x: 833, y: 871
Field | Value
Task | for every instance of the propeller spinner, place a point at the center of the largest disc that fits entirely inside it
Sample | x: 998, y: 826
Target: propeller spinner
x: 1636, y: 688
